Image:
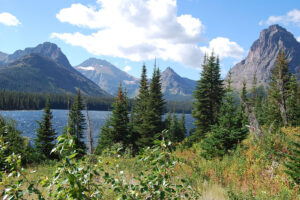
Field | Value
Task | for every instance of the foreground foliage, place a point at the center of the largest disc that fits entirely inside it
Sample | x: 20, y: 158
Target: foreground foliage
x: 255, y: 170
x: 93, y: 178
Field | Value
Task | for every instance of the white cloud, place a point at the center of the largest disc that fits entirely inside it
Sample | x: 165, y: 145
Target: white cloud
x: 9, y: 19
x: 224, y: 48
x: 137, y: 30
x: 127, y: 68
x: 298, y: 39
x: 290, y: 17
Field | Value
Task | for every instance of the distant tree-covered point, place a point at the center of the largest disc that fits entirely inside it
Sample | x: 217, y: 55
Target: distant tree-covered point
x: 14, y: 100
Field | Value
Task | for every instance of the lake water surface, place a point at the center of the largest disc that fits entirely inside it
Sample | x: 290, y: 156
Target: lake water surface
x: 26, y: 121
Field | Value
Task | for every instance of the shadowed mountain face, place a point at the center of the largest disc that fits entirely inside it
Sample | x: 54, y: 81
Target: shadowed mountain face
x: 108, y: 76
x: 46, y: 49
x: 262, y: 57
x: 44, y: 69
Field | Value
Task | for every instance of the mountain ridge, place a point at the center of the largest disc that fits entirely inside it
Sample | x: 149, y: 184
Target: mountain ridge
x: 108, y: 77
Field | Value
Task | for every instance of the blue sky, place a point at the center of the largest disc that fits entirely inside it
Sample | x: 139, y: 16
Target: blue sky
x: 130, y: 32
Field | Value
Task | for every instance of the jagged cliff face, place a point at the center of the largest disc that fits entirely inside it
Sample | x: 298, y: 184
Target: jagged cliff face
x: 262, y: 57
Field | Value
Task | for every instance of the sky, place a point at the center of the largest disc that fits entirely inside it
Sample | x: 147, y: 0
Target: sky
x: 128, y: 33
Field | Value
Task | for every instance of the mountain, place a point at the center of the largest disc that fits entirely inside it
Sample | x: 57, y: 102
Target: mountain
x: 175, y: 87
x: 46, y: 49
x: 37, y: 73
x: 108, y: 76
x: 262, y: 57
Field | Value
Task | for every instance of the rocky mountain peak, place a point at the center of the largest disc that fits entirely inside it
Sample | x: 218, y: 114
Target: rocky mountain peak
x: 95, y: 62
x: 175, y: 86
x: 108, y: 76
x: 46, y: 49
x: 169, y: 69
x: 275, y: 36
x: 169, y: 72
x: 262, y: 56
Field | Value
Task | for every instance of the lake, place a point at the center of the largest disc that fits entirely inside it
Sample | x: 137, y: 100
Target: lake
x: 26, y: 121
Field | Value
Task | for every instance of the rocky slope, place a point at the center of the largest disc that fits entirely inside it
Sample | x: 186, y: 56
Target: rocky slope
x: 108, y: 76
x: 175, y: 87
x: 262, y: 56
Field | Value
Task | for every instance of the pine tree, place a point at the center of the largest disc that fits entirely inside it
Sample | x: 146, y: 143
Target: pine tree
x: 156, y: 104
x: 279, y: 87
x: 120, y: 119
x: 142, y: 127
x: 293, y: 104
x: 133, y: 136
x: 259, y: 106
x: 117, y: 126
x: 244, y: 98
x: 46, y: 135
x: 105, y: 139
x: 182, y: 128
x: 293, y: 165
x: 208, y: 97
x: 229, y: 131
x: 253, y: 91
x: 242, y: 110
x: 77, y: 124
x: 167, y: 121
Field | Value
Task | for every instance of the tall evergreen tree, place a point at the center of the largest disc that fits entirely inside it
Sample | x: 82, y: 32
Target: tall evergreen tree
x: 120, y: 119
x: 149, y: 109
x: 156, y: 104
x: 105, y: 139
x: 293, y: 102
x: 142, y: 127
x: 208, y: 97
x: 167, y: 121
x: 253, y: 91
x: 133, y: 136
x: 279, y: 87
x: 244, y: 98
x: 117, y: 126
x: 46, y: 135
x: 77, y: 123
x: 182, y: 127
x: 229, y: 131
